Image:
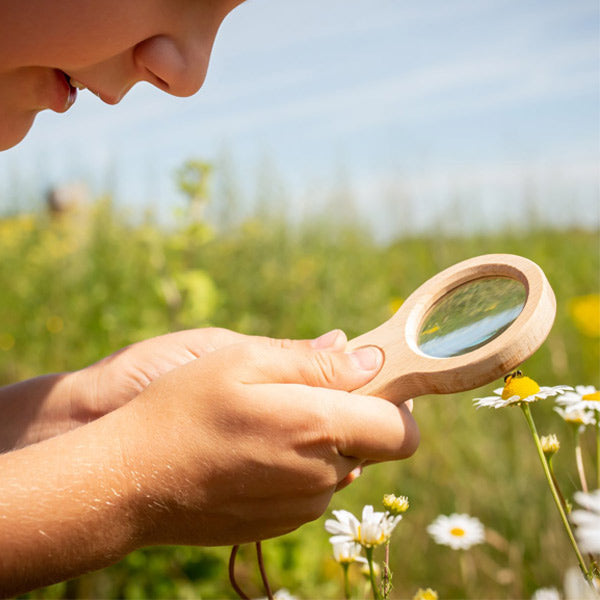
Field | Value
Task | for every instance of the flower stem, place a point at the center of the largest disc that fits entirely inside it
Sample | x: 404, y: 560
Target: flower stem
x: 464, y: 572
x: 597, y: 452
x: 369, y: 553
x: 557, y: 486
x: 579, y: 460
x: 385, y: 584
x: 345, y: 566
x: 555, y: 496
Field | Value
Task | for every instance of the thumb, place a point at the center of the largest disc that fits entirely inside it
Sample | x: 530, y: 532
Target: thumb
x: 316, y: 368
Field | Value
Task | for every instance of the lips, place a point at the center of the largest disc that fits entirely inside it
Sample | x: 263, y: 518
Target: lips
x: 62, y: 94
x: 72, y: 95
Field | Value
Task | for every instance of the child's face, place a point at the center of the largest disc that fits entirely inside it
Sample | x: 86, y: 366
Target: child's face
x: 104, y: 45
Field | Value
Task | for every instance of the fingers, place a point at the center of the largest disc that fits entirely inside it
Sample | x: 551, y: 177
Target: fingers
x: 352, y: 476
x: 273, y: 363
x: 210, y: 338
x: 356, y: 427
x: 334, y: 340
x: 200, y: 341
x: 363, y: 427
x: 374, y: 429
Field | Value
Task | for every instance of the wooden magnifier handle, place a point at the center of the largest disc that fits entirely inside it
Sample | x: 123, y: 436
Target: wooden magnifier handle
x: 407, y: 372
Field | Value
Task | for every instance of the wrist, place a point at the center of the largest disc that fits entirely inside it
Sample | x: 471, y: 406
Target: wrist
x: 145, y: 474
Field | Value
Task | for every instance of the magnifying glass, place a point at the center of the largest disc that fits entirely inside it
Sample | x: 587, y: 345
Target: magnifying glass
x: 466, y: 326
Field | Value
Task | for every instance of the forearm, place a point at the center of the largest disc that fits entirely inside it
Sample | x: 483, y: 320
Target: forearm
x: 40, y: 408
x: 66, y: 507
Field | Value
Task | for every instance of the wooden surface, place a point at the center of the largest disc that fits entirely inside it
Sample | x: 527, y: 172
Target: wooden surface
x: 408, y: 373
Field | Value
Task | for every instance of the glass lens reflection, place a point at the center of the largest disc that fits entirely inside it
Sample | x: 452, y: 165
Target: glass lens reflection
x: 470, y: 316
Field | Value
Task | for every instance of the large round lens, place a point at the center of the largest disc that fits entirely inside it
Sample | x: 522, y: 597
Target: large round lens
x: 470, y: 316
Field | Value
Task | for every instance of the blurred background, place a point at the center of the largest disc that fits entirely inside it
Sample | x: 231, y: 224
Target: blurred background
x: 339, y: 154
x: 452, y: 113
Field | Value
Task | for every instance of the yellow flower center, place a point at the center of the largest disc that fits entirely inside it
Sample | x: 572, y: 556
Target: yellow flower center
x: 521, y: 387
x: 575, y: 416
x: 593, y: 396
x: 457, y: 532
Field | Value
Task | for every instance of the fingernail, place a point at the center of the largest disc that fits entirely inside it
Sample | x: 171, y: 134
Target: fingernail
x: 355, y: 473
x: 326, y: 340
x: 369, y: 358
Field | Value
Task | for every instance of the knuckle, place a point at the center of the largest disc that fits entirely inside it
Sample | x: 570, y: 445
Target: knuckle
x: 325, y: 368
x: 281, y: 343
x: 286, y: 344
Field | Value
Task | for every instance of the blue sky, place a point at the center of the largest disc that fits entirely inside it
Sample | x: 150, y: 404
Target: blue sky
x: 420, y: 109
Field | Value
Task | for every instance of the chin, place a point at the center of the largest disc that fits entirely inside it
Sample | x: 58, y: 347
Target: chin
x: 12, y: 131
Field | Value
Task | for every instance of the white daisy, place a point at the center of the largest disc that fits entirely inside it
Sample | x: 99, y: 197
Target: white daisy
x: 348, y: 552
x: 546, y: 594
x: 374, y: 529
x: 550, y: 444
x: 576, y: 417
x: 460, y: 532
x: 517, y: 389
x: 282, y: 594
x: 584, y: 397
x: 587, y: 521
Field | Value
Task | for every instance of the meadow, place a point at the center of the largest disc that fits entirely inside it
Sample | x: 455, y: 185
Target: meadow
x: 78, y: 285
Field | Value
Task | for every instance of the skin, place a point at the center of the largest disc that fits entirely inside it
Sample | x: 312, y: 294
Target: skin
x: 108, y: 45
x: 193, y: 458
x: 204, y: 437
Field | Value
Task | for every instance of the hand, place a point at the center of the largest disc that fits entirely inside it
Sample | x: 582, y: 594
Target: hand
x: 246, y: 442
x: 251, y: 440
x: 37, y: 409
x: 120, y: 377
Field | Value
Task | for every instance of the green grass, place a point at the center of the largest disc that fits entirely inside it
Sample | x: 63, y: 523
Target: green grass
x: 79, y: 287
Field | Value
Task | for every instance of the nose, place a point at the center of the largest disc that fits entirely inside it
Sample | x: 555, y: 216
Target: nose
x: 175, y: 65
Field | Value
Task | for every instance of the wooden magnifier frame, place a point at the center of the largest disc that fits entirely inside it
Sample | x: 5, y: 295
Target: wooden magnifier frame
x: 407, y: 372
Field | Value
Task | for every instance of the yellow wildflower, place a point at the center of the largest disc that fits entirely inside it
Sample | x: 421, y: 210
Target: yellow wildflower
x: 427, y: 594
x: 585, y: 311
x: 395, y: 505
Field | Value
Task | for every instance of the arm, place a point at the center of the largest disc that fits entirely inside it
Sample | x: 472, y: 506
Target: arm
x: 244, y: 443
x: 66, y: 507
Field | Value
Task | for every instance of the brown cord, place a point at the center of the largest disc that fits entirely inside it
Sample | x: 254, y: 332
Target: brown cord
x: 263, y: 573
x: 234, y: 584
